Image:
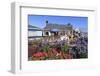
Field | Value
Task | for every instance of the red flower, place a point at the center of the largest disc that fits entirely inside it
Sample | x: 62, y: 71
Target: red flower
x: 38, y: 54
x: 45, y: 54
x: 34, y: 54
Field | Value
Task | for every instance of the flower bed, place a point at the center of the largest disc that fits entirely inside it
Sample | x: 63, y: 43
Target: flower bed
x: 58, y: 50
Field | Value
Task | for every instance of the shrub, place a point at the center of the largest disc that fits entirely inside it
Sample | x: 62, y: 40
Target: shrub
x: 45, y: 48
x: 64, y: 48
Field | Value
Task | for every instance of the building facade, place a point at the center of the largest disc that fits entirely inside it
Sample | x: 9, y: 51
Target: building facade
x: 49, y: 30
x: 34, y: 31
x: 57, y: 29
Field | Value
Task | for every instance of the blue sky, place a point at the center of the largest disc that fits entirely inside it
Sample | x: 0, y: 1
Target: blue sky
x: 76, y: 21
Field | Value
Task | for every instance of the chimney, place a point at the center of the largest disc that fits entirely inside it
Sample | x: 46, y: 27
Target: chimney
x: 46, y: 22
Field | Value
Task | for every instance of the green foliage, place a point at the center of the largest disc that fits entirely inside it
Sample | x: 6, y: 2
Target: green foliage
x: 64, y: 48
x: 83, y: 55
x: 45, y: 48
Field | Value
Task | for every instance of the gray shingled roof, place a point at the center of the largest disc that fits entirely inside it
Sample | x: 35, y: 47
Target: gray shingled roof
x: 58, y: 26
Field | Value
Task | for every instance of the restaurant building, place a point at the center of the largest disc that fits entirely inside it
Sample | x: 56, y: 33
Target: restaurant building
x: 50, y: 29
x: 57, y: 29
